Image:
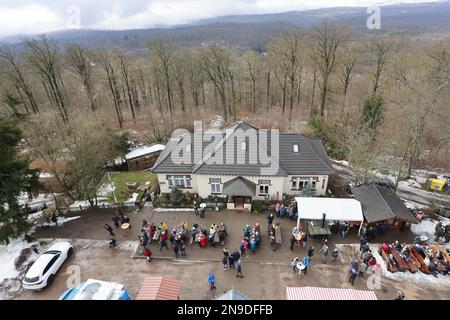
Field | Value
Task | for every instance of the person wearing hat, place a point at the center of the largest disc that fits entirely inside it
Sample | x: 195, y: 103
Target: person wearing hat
x: 163, y: 241
x: 270, y: 218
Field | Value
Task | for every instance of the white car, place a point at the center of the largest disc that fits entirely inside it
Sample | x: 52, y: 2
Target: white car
x: 42, y: 272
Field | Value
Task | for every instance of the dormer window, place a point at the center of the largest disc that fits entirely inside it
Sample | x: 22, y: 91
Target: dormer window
x: 243, y: 146
x: 188, y: 148
x: 295, y: 148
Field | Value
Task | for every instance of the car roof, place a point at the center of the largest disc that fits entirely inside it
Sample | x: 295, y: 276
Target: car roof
x: 39, y: 265
x: 59, y: 246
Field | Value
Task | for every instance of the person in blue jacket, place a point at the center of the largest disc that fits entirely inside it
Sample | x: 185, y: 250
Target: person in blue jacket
x: 306, y: 262
x: 212, y: 280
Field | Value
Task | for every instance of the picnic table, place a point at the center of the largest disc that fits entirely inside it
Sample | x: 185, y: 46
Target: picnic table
x: 401, y: 264
x: 278, y: 235
x: 389, y: 265
x: 315, y: 229
x: 419, y: 257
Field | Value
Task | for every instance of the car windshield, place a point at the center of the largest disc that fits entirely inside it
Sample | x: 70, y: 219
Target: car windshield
x: 31, y: 280
x: 53, y: 252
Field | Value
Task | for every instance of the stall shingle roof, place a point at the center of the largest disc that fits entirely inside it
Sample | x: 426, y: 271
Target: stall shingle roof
x: 381, y: 203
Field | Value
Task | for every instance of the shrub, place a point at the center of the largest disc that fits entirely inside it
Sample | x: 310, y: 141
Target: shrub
x: 163, y: 200
x: 258, y: 205
x: 176, y: 197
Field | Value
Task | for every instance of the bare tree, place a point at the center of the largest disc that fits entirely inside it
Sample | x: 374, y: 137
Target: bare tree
x: 163, y: 53
x: 381, y: 50
x: 105, y: 63
x: 124, y: 65
x: 252, y: 69
x: 15, y: 75
x: 43, y: 56
x: 325, y: 42
x: 80, y: 62
x: 216, y: 62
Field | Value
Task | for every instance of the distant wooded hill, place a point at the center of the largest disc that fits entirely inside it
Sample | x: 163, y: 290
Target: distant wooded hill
x: 255, y: 31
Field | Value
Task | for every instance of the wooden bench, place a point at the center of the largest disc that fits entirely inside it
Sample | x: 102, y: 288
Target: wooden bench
x: 278, y: 235
x: 389, y: 265
x: 401, y: 264
x: 413, y: 267
x: 444, y: 253
x: 413, y: 257
x: 419, y: 257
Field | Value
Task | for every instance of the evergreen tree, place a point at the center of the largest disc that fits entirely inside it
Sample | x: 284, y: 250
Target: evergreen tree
x: 15, y: 177
x: 373, y: 111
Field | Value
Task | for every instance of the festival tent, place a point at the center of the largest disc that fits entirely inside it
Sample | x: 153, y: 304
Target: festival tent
x: 318, y: 293
x: 313, y: 208
x: 159, y: 288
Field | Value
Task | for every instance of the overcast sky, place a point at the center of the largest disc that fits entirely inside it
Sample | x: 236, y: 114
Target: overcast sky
x: 27, y: 17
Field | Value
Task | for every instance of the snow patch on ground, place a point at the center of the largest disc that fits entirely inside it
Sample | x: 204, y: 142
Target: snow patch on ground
x: 413, y: 205
x: 105, y: 189
x: 342, y: 162
x: 8, y: 255
x: 427, y: 226
x: 35, y: 216
x: 216, y: 122
x: 133, y: 198
x: 61, y: 221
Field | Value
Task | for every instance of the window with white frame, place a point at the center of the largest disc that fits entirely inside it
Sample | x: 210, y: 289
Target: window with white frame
x: 179, y: 181
x: 299, y: 183
x: 263, y: 186
x: 216, y: 184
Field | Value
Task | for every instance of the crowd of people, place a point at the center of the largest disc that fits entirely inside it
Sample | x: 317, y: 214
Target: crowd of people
x: 290, y: 211
x: 435, y: 260
x: 252, y: 239
x: 217, y: 234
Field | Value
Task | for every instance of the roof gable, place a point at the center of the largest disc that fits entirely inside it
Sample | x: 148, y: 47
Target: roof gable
x: 311, y: 157
x: 381, y: 203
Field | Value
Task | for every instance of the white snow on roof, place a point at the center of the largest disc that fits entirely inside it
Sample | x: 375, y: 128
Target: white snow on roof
x: 141, y: 151
x: 335, y: 209
x: 99, y: 290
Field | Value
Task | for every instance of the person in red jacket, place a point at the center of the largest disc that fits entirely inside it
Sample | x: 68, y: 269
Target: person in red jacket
x: 148, y: 254
x: 203, y: 241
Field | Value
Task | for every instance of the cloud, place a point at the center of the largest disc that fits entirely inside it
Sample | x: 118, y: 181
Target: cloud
x: 29, y: 19
x: 50, y: 15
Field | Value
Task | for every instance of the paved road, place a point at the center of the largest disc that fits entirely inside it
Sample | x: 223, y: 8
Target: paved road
x: 406, y: 192
x: 261, y: 280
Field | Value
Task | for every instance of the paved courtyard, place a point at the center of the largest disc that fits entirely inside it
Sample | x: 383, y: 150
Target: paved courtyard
x: 267, y: 273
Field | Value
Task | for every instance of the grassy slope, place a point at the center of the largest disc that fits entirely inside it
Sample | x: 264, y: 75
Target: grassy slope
x: 120, y: 180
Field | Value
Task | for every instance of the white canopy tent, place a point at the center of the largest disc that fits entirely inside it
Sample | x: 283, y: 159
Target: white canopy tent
x: 313, y: 208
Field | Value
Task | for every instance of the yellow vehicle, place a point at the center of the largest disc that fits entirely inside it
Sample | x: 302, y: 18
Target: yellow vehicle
x: 437, y: 185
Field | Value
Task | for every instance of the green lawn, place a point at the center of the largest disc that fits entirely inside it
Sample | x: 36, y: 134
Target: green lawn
x: 120, y: 179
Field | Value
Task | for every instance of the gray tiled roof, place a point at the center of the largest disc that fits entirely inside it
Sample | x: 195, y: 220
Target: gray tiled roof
x: 311, y: 158
x: 381, y: 203
x: 239, y: 187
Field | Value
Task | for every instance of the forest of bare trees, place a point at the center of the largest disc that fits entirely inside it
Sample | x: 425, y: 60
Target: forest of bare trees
x: 367, y: 99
